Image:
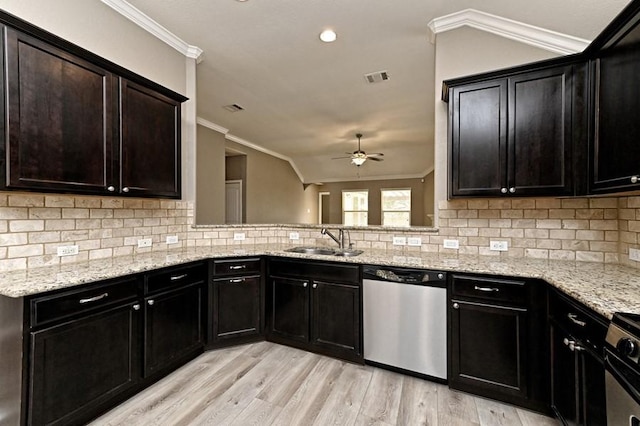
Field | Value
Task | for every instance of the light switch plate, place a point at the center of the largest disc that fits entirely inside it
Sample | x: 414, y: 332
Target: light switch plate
x: 634, y: 254
x: 294, y: 236
x: 399, y: 241
x: 67, y: 250
x: 172, y: 239
x: 498, y: 245
x: 451, y: 244
x: 238, y: 236
x: 145, y: 242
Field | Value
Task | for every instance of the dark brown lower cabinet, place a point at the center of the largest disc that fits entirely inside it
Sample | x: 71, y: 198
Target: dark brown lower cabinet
x: 173, y: 327
x: 316, y: 306
x: 236, y: 304
x: 79, y: 365
x: 489, y: 347
x: 577, y: 367
x: 498, y: 339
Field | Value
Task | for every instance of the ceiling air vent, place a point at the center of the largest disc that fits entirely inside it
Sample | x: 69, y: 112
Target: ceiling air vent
x: 233, y: 108
x: 377, y: 77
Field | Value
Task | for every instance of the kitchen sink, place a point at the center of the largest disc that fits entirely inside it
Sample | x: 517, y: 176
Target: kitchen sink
x: 326, y: 251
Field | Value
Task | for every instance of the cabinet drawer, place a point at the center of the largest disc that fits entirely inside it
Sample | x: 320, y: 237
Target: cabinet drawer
x: 62, y: 305
x: 175, y: 277
x: 236, y: 267
x: 578, y: 321
x: 493, y: 289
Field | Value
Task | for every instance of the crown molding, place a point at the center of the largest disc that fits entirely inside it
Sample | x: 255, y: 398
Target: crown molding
x: 145, y: 22
x: 216, y: 127
x: 514, y: 30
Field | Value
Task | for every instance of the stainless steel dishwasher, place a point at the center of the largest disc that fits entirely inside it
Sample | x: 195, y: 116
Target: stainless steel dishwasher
x: 405, y: 320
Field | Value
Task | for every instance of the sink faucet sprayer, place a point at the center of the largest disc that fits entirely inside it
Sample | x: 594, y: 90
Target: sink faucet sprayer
x: 339, y: 239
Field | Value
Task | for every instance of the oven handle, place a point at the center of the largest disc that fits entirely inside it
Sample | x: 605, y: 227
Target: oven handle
x: 632, y: 390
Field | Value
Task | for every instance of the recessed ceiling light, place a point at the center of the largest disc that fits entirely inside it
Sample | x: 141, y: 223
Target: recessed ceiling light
x: 328, y: 36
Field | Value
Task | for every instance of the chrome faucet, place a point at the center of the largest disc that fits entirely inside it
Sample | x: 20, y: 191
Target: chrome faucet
x: 339, y: 240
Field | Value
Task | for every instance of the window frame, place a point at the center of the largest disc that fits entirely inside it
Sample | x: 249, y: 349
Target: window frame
x: 383, y: 211
x: 354, y: 211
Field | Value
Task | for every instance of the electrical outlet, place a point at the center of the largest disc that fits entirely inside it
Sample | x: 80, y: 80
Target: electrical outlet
x: 67, y: 250
x: 172, y: 239
x: 451, y: 244
x: 399, y: 241
x: 144, y: 242
x: 238, y: 236
x: 294, y: 236
x: 634, y: 254
x: 498, y: 245
x: 414, y: 241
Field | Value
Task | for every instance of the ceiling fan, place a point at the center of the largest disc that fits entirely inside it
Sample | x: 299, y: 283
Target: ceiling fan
x: 359, y: 157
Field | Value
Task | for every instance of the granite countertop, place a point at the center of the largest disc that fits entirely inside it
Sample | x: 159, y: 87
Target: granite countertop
x: 604, y: 288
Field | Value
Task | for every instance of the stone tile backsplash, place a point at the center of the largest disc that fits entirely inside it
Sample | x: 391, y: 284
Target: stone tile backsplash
x: 33, y: 226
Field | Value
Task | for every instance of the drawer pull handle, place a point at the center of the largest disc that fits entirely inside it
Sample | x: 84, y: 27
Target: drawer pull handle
x: 237, y: 280
x: 94, y: 299
x: 487, y: 289
x: 574, y: 319
x: 178, y: 277
x: 234, y: 267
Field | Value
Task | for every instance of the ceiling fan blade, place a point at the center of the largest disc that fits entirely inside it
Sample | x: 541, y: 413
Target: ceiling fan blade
x: 375, y: 154
x: 340, y: 158
x: 375, y: 159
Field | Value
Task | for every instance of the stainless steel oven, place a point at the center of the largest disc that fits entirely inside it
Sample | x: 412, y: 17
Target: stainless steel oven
x: 622, y: 370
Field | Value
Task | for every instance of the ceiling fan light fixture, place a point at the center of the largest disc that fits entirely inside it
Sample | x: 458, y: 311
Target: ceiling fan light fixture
x: 328, y: 36
x: 358, y: 161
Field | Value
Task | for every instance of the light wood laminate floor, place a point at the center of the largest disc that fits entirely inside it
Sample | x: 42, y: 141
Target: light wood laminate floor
x: 269, y: 384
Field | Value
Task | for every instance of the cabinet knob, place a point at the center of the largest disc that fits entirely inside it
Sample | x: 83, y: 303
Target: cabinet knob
x: 125, y: 189
x: 512, y: 190
x: 305, y: 284
x: 315, y: 285
x: 456, y: 306
x: 634, y: 179
x: 111, y: 188
x: 136, y: 307
x: 503, y: 190
x: 151, y: 302
x: 440, y: 276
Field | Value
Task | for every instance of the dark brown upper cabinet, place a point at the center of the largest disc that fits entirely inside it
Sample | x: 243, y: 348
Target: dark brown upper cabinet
x: 76, y: 123
x: 615, y: 130
x: 60, y: 118
x: 149, y: 142
x: 513, y: 134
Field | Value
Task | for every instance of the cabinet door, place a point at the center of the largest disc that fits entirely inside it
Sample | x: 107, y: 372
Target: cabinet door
x: 336, y: 316
x: 149, y: 142
x: 615, y: 149
x: 478, y: 149
x: 80, y: 364
x: 488, y: 349
x: 564, y: 377
x: 540, y: 133
x: 173, y: 327
x: 59, y: 119
x: 290, y: 309
x: 592, y: 389
x: 236, y: 307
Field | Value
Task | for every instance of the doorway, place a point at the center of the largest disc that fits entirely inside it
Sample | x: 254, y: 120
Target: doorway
x: 324, y: 208
x: 233, y: 201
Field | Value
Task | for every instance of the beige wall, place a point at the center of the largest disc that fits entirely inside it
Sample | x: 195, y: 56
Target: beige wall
x: 210, y: 176
x: 374, y: 186
x: 467, y: 51
x: 429, y: 198
x: 274, y: 193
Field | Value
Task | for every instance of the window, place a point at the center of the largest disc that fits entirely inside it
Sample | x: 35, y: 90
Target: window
x: 355, y: 208
x: 396, y: 207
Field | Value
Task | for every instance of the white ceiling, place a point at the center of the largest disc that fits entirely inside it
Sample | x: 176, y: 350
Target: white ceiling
x: 306, y: 100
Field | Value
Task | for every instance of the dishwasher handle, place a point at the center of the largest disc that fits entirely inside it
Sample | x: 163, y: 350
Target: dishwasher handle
x: 405, y: 276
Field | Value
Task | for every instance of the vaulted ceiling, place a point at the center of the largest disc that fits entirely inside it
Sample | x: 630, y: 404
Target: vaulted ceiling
x: 306, y: 100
